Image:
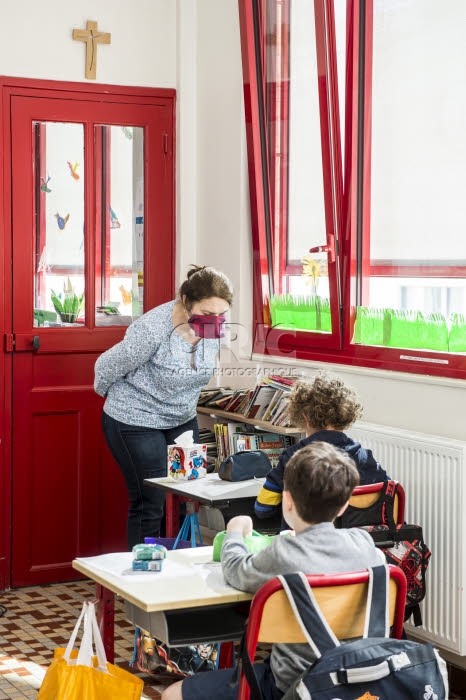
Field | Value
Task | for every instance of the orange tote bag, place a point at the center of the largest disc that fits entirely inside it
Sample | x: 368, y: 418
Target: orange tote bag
x: 83, y: 675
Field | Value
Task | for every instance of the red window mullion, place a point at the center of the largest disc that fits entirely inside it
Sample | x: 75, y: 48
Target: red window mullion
x: 367, y: 153
x: 282, y: 155
x: 40, y: 274
x: 105, y: 214
x: 258, y: 175
x: 331, y: 144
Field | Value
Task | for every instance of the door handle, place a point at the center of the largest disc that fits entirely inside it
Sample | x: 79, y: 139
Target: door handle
x: 36, y: 343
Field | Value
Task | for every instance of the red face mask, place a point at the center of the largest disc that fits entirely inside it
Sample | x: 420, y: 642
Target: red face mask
x: 207, y: 326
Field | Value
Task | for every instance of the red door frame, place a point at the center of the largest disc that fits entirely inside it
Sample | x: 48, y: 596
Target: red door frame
x: 160, y: 287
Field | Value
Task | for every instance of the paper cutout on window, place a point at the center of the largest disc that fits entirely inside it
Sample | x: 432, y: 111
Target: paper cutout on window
x: 62, y: 221
x: 44, y: 186
x: 128, y: 132
x: 125, y: 295
x: 73, y: 170
x: 114, y: 223
x: 43, y: 264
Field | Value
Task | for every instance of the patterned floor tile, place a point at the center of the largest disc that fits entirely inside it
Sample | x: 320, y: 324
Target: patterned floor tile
x: 41, y: 618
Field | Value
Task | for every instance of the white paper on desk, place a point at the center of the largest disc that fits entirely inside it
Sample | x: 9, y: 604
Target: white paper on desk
x: 217, y: 489
x: 119, y: 564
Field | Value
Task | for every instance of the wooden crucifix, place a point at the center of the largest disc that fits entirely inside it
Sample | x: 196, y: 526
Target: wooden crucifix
x: 92, y: 37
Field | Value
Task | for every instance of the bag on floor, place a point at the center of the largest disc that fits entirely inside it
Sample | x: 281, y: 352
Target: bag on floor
x: 77, y: 674
x: 150, y: 655
x: 374, y: 666
x: 403, y: 546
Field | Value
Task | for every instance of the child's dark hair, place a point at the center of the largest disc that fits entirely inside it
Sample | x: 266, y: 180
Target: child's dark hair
x: 320, y: 479
x: 323, y: 401
x: 203, y: 283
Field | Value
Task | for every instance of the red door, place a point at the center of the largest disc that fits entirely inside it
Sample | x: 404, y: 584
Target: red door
x: 92, y: 205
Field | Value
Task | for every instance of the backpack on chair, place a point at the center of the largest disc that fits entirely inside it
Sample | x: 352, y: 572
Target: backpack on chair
x: 374, y: 666
x: 402, y: 544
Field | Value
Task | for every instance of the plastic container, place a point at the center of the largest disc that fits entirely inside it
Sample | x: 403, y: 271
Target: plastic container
x: 254, y: 543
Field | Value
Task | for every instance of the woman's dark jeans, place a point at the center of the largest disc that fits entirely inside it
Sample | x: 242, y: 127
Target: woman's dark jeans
x: 141, y: 453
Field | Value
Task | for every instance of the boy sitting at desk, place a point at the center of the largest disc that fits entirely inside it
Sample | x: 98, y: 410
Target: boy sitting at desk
x: 318, y: 483
x: 323, y: 407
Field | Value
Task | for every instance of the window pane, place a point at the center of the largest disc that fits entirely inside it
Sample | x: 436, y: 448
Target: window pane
x: 414, y: 258
x: 119, y: 291
x: 59, y: 224
x: 302, y: 298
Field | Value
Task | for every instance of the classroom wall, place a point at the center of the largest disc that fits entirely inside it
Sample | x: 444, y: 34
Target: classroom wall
x: 194, y: 46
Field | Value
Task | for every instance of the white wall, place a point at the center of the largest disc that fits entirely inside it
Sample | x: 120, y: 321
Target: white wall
x: 36, y: 40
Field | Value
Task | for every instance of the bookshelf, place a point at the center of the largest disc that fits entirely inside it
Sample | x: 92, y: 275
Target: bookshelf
x: 265, y: 425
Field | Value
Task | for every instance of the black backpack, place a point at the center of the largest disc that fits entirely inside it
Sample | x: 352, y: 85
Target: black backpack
x: 403, y: 545
x: 374, y: 666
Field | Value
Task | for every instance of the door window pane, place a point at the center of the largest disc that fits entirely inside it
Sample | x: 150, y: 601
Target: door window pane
x: 120, y: 246
x: 59, y: 297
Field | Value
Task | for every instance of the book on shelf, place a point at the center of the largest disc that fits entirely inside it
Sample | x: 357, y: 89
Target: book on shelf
x: 219, y: 399
x: 207, y: 395
x: 260, y: 402
x: 207, y: 437
x: 260, y: 441
x: 235, y: 400
x: 267, y: 401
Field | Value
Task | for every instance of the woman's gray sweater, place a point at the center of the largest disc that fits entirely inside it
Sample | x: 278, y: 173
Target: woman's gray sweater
x: 153, y: 377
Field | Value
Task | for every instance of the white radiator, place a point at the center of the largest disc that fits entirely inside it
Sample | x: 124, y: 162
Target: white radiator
x: 432, y: 471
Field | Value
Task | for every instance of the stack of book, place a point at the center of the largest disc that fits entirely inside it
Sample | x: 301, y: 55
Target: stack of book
x: 268, y: 401
x: 215, y: 397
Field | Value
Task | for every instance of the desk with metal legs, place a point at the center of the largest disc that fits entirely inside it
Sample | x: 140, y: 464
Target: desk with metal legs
x: 177, y: 605
x: 234, y: 497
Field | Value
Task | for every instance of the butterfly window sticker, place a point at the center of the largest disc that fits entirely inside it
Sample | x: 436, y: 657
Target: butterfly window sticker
x: 62, y: 221
x: 45, y: 184
x: 73, y: 170
x: 114, y: 222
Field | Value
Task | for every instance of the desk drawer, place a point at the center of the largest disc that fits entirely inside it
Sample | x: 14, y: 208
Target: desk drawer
x: 216, y: 623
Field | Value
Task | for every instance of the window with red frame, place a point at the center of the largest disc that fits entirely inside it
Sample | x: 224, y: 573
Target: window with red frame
x: 368, y: 268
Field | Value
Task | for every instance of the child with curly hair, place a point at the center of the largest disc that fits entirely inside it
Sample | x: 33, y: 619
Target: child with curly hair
x: 323, y: 407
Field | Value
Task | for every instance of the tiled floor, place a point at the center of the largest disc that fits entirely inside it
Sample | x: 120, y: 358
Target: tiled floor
x: 40, y: 618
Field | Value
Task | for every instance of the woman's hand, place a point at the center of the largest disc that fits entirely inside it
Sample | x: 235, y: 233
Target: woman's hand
x: 241, y: 524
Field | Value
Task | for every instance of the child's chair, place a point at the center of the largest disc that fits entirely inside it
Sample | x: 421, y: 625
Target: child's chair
x: 342, y: 599
x: 369, y: 505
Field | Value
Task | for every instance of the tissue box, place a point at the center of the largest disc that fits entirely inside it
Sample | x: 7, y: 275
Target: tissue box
x: 187, y: 463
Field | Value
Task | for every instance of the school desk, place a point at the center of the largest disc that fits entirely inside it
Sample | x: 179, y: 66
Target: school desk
x: 234, y: 497
x: 188, y: 600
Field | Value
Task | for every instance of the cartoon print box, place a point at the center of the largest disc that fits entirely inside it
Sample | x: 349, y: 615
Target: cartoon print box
x: 187, y: 463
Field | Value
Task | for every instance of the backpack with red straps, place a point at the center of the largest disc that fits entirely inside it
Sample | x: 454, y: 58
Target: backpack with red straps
x: 403, y: 545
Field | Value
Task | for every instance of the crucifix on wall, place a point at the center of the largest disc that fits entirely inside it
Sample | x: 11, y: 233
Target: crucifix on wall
x: 91, y: 36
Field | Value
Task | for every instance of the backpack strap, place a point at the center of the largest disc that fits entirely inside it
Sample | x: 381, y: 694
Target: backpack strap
x: 387, y: 498
x: 377, y: 622
x: 315, y: 627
